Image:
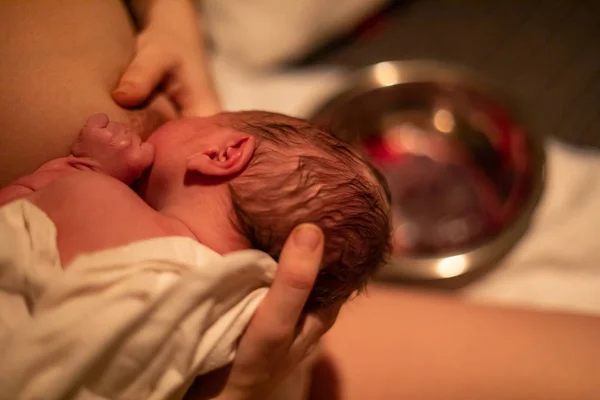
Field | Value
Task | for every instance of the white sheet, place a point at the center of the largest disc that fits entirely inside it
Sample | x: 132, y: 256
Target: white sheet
x: 557, y: 264
x: 263, y: 33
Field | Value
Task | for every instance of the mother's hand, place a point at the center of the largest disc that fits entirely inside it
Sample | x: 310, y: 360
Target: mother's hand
x: 278, y: 337
x: 170, y: 57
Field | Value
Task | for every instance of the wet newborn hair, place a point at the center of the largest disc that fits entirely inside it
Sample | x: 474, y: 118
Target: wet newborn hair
x: 300, y: 174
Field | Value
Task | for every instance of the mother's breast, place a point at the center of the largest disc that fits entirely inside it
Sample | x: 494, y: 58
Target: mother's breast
x: 60, y: 61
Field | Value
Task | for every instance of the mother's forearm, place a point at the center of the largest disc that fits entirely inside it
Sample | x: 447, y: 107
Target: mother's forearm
x: 397, y: 344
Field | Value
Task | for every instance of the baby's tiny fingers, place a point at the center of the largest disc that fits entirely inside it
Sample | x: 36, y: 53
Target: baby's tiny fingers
x: 119, y: 134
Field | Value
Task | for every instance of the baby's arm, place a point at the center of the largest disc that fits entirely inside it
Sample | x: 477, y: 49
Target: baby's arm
x: 102, y: 146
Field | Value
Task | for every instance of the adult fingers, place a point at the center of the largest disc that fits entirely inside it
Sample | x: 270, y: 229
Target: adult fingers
x: 272, y: 328
x: 263, y: 355
x: 191, y: 87
x: 316, y: 324
x: 142, y: 76
x: 299, y: 264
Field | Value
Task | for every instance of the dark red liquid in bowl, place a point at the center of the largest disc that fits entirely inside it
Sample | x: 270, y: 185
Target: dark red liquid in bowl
x: 437, y: 206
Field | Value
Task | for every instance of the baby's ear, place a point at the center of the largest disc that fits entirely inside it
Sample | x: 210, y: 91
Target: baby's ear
x: 230, y: 158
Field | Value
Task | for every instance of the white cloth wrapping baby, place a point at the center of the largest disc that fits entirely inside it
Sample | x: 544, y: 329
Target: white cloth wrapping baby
x: 134, y: 322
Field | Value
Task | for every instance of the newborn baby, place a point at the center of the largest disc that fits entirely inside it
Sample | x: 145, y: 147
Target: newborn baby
x: 232, y: 181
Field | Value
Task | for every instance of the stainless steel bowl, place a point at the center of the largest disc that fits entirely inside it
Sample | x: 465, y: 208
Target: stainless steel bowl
x: 464, y: 170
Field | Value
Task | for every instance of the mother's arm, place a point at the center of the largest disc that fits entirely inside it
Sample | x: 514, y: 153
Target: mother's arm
x: 405, y: 344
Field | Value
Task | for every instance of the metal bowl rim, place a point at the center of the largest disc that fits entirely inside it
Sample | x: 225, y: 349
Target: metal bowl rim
x: 433, y: 72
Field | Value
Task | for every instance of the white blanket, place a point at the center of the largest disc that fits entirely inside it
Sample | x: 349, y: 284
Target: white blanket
x: 136, y: 322
x: 557, y: 264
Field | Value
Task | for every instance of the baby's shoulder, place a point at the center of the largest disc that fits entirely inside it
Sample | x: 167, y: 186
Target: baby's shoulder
x: 86, y: 189
x: 84, y: 199
x: 92, y: 212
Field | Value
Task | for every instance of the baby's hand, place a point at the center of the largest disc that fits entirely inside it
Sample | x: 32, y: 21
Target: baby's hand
x: 111, y: 148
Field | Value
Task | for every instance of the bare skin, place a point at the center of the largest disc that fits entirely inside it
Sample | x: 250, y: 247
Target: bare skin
x: 87, y: 194
x: 416, y: 345
x: 53, y: 99
x: 66, y: 60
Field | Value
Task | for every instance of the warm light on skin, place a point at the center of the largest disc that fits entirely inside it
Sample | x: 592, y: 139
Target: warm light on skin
x: 443, y: 121
x: 386, y: 74
x: 452, y: 266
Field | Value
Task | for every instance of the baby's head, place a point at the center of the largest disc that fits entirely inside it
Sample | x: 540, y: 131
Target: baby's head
x: 296, y: 173
x: 299, y: 174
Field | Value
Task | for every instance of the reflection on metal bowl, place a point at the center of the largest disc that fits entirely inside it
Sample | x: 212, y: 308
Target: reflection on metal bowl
x: 464, y: 170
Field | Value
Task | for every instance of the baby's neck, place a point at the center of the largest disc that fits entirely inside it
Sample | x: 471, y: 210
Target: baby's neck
x: 173, y: 226
x: 208, y: 222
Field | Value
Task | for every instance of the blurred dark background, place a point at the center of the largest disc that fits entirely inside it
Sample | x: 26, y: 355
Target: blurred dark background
x: 543, y: 53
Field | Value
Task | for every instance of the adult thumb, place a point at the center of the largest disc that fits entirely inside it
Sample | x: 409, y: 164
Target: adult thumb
x: 141, y: 78
x: 299, y: 265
